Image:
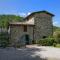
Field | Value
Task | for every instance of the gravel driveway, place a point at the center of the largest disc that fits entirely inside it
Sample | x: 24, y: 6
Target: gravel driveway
x: 31, y: 52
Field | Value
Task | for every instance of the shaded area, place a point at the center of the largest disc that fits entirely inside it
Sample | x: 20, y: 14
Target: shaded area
x: 20, y: 54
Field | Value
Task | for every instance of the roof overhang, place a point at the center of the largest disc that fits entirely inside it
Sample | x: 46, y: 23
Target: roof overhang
x: 39, y: 12
x: 19, y: 24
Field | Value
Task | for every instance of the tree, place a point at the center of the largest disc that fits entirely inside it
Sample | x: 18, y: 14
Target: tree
x: 57, y: 36
x: 5, y: 19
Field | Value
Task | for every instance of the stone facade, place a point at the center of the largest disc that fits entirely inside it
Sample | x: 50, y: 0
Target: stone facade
x: 39, y: 25
x: 18, y: 35
x: 43, y: 26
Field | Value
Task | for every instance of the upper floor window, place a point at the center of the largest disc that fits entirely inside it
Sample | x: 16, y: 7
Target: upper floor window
x: 25, y: 28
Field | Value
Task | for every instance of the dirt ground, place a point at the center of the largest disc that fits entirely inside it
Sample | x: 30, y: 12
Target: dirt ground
x: 30, y: 52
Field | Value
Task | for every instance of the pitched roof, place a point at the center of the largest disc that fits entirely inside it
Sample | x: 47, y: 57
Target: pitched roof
x: 39, y: 12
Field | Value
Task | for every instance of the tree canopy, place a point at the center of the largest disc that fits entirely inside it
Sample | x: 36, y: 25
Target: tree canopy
x: 5, y: 19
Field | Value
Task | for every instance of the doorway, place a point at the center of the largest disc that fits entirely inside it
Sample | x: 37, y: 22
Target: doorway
x: 27, y: 39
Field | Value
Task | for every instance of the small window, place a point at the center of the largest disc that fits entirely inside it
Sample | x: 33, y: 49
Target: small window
x: 25, y: 28
x: 44, y: 36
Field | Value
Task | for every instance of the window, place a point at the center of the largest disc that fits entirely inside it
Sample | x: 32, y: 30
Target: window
x: 25, y: 28
x: 44, y: 36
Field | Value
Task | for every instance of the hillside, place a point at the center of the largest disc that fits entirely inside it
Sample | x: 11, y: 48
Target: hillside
x: 5, y: 19
x: 55, y: 28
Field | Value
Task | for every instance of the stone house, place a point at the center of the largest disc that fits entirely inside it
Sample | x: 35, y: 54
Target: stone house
x: 35, y: 26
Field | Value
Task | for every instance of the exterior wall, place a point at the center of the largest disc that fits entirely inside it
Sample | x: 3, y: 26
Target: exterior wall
x: 30, y: 20
x: 30, y: 33
x: 43, y: 25
x: 18, y: 34
x: 15, y: 33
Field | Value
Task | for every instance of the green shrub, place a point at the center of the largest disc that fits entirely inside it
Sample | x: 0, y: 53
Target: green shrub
x: 33, y: 41
x: 46, y: 41
x: 58, y: 45
x: 56, y: 35
x: 4, y: 39
x: 54, y: 44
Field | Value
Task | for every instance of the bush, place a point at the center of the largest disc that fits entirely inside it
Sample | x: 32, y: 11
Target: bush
x: 58, y: 45
x: 56, y: 35
x: 54, y: 44
x: 4, y: 39
x: 46, y: 42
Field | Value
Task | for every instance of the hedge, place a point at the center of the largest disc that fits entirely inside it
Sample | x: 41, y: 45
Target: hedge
x: 46, y: 42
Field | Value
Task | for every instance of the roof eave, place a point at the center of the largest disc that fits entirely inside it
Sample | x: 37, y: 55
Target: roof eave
x: 39, y: 12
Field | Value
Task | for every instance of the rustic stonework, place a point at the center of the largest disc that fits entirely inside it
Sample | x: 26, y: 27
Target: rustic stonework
x: 43, y: 25
x: 39, y: 25
x: 18, y: 34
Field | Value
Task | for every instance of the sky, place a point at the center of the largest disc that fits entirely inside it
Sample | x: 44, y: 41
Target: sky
x: 25, y: 7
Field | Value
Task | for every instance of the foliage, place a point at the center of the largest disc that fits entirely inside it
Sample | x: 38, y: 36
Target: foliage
x: 58, y: 45
x: 54, y: 44
x: 5, y: 19
x: 56, y: 28
x: 56, y: 35
x: 46, y: 41
x: 4, y: 39
x: 51, y: 41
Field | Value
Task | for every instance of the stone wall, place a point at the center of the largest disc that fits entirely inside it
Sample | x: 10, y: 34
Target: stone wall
x: 43, y: 25
x: 18, y: 34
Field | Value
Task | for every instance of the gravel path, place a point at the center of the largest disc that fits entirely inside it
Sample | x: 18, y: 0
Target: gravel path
x: 31, y: 52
